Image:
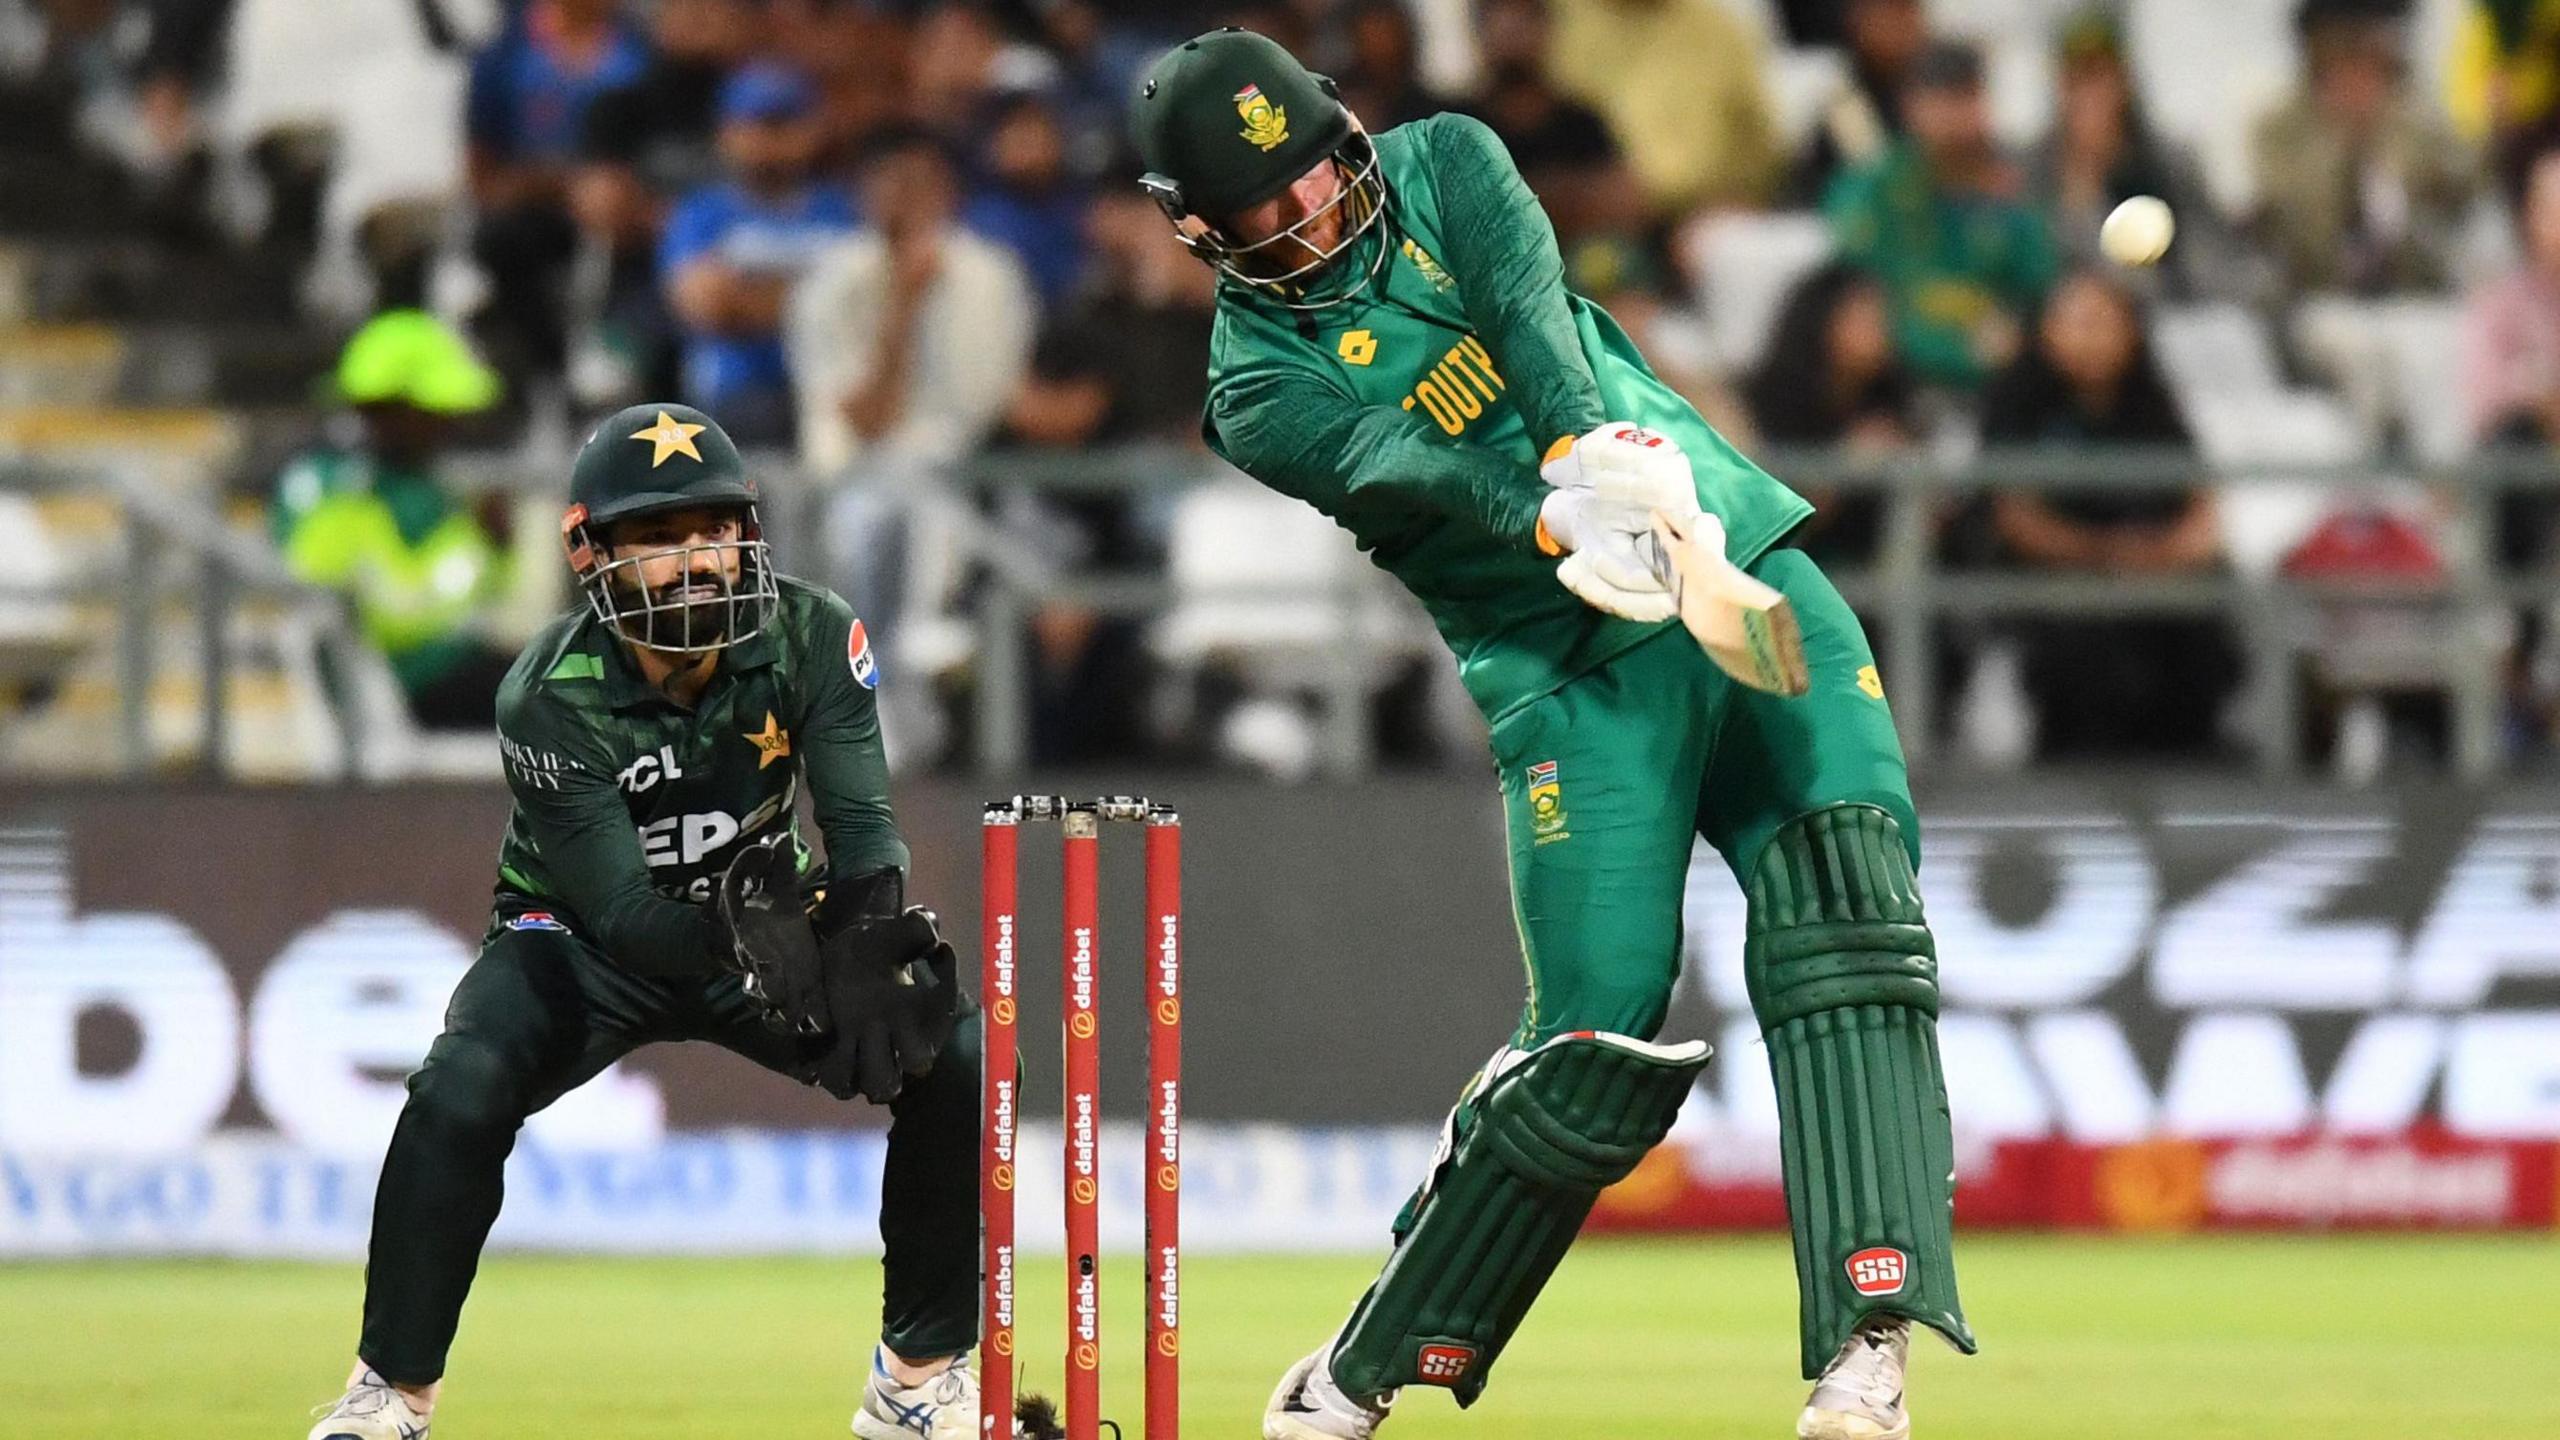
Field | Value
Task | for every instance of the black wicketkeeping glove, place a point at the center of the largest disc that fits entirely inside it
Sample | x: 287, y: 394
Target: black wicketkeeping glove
x: 892, y: 988
x: 771, y: 942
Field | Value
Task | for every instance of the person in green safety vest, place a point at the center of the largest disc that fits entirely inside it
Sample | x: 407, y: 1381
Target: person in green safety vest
x: 373, y: 520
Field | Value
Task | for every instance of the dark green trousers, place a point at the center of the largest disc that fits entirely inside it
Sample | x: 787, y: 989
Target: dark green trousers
x: 539, y: 1014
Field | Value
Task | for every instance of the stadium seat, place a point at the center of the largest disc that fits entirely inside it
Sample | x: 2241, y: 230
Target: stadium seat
x: 1745, y: 265
x: 2206, y: 70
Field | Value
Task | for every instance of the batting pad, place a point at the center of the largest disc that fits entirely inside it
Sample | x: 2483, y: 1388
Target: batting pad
x: 1521, y: 1163
x: 1844, y: 978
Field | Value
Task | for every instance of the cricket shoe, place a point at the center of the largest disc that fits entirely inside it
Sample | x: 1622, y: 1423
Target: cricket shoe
x: 371, y: 1410
x: 943, y: 1407
x: 1309, y: 1406
x: 1859, y: 1396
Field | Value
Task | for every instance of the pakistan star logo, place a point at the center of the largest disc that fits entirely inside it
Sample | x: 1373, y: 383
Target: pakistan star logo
x: 1265, y: 124
x: 671, y: 437
x: 772, y: 744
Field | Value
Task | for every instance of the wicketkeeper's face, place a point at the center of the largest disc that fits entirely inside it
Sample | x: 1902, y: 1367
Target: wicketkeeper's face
x: 681, y: 557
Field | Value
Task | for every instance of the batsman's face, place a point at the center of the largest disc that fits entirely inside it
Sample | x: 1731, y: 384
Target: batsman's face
x: 1315, y: 194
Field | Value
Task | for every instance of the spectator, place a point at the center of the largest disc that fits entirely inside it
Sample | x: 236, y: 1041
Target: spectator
x: 857, y: 55
x: 2107, y: 687
x: 2102, y: 150
x: 2511, y: 380
x: 909, y: 335
x: 2502, y: 81
x: 1563, y: 147
x: 1030, y: 204
x: 1939, y: 221
x: 1121, y: 363
x: 1830, y: 378
x: 1864, y: 117
x: 1120, y: 366
x: 907, y: 340
x: 529, y: 94
x: 1681, y: 83
x: 2361, y: 187
x: 374, y: 520
x: 734, y: 249
x: 641, y: 144
x: 1380, y: 78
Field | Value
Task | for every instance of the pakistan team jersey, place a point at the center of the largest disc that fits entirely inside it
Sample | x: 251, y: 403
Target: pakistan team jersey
x: 1415, y: 413
x: 629, y: 806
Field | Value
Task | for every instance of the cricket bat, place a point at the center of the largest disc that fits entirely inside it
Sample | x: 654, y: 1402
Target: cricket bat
x: 1746, y: 627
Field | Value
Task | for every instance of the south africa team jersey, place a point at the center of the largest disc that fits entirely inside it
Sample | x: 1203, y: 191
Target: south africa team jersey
x: 1415, y: 413
x: 629, y: 806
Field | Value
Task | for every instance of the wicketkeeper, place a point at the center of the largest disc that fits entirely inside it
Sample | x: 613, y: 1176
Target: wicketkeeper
x: 1395, y: 345
x: 653, y: 885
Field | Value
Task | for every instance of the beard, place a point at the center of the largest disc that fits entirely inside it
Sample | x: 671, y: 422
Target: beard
x: 670, y: 619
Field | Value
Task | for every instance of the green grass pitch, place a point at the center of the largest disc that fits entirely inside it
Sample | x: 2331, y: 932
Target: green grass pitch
x: 2395, y: 1339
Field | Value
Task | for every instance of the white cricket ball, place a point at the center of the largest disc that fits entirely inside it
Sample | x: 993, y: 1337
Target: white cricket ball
x: 2138, y: 231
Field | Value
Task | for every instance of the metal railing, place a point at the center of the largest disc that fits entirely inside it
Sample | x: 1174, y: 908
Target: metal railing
x: 174, y: 545
x: 1907, y: 590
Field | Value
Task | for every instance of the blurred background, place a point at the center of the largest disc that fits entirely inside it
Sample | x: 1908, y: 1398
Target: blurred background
x: 2214, y: 598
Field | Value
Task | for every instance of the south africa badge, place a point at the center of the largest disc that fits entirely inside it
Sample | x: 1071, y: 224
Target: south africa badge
x: 1546, y: 804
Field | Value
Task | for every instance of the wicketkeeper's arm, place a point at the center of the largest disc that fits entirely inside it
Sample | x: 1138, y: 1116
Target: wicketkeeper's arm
x: 592, y: 854
x: 1502, y: 253
x: 839, y: 735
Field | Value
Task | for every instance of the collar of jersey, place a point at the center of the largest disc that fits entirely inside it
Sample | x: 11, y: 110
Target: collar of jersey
x: 625, y: 690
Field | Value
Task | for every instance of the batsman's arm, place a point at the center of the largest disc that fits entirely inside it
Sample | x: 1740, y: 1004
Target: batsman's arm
x: 1303, y: 437
x: 591, y: 852
x: 840, y: 738
x: 1502, y: 253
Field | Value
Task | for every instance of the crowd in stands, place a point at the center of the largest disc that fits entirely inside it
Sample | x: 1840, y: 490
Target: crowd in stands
x: 888, y: 235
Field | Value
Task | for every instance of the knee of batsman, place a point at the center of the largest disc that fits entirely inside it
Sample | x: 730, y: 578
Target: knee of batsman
x: 1835, y: 920
x: 1581, y: 1111
x: 468, y: 1087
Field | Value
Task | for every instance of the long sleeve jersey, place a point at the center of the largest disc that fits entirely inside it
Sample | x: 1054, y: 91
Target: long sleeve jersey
x: 1415, y: 413
x: 630, y: 806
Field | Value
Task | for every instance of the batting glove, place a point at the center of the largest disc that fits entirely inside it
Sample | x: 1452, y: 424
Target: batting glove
x: 1623, y: 463
x: 1615, y: 563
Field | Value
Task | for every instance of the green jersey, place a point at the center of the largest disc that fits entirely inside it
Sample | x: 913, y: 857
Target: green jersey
x: 629, y: 805
x: 1416, y: 412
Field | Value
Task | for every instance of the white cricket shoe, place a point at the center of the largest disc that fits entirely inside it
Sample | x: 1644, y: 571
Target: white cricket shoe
x: 1859, y: 1396
x: 944, y: 1407
x: 371, y: 1410
x: 1309, y: 1406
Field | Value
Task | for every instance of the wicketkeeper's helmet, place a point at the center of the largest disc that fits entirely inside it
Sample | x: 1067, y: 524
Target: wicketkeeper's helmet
x: 1226, y: 121
x: 652, y: 458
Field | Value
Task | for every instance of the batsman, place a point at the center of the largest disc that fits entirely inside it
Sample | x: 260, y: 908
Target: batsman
x: 653, y: 885
x: 1394, y: 344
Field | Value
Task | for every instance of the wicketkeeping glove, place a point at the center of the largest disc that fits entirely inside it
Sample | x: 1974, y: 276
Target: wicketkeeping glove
x: 892, y: 986
x: 770, y: 942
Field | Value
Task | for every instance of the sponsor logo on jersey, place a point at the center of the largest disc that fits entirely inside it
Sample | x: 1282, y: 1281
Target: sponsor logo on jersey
x: 858, y: 657
x: 1265, y: 124
x: 772, y: 742
x: 1358, y: 347
x: 1870, y: 682
x: 1444, y: 1364
x: 537, y: 920
x: 1878, y: 1270
x: 1546, y: 803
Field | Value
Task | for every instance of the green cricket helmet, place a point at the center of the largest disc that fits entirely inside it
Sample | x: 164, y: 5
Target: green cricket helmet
x: 1226, y: 121
x: 643, y: 461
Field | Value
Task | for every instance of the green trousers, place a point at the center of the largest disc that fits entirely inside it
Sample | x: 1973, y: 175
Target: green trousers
x: 539, y: 1013
x: 1608, y: 783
